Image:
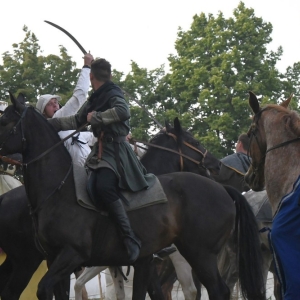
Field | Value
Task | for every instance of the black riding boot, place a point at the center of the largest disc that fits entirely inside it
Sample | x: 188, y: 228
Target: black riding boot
x: 131, y: 242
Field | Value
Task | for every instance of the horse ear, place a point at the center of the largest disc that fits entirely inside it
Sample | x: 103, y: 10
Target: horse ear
x: 18, y: 103
x: 177, y: 125
x: 21, y: 98
x: 168, y: 126
x: 253, y: 102
x: 287, y: 101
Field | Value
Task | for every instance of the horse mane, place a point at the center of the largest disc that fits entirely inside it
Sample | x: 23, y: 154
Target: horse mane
x: 291, y: 118
x: 156, y: 139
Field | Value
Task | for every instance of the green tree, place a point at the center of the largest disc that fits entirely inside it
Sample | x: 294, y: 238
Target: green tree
x: 291, y: 84
x: 218, y: 61
x: 148, y: 88
x: 26, y: 70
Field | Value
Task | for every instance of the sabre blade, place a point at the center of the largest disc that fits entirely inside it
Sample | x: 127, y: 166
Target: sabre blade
x: 69, y: 35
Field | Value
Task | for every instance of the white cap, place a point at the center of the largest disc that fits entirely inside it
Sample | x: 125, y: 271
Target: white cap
x: 43, y: 101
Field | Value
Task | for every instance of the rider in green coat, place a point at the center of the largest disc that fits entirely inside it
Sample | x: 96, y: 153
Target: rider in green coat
x: 112, y: 159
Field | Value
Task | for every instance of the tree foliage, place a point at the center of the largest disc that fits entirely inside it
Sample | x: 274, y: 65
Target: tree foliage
x: 27, y: 71
x: 218, y: 60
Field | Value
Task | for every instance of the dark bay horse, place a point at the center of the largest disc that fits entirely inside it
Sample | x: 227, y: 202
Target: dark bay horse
x: 164, y: 149
x: 16, y: 230
x: 22, y: 255
x: 230, y: 177
x: 198, y: 217
x: 18, y: 242
x: 172, y: 149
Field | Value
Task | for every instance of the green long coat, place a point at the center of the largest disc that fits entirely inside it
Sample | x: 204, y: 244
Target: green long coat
x: 111, y: 115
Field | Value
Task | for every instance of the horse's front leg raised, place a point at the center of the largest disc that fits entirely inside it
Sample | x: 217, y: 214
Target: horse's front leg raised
x: 63, y: 264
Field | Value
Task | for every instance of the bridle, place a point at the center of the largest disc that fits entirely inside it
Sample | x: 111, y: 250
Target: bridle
x: 14, y: 130
x: 252, y: 133
x: 179, y: 152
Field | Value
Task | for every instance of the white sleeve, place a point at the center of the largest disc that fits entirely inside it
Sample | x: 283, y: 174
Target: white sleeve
x: 88, y: 137
x: 79, y: 95
x: 78, y: 151
x: 141, y: 151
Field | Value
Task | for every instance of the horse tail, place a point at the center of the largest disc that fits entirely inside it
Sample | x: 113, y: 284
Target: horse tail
x: 249, y: 253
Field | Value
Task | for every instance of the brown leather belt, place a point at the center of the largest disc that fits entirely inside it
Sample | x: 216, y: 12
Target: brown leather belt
x: 107, y: 138
x: 116, y: 139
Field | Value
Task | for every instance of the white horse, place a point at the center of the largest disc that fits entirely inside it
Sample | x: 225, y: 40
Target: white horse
x: 91, y: 272
x: 7, y: 183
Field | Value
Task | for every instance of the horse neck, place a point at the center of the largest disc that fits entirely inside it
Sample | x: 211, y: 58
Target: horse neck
x: 282, y: 165
x: 45, y: 174
x: 160, y: 161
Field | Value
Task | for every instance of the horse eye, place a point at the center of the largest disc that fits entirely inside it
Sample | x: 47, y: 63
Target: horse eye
x: 197, y: 143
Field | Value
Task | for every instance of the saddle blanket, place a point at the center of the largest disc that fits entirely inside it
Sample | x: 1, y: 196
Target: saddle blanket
x: 285, y: 239
x: 260, y: 205
x: 137, y: 200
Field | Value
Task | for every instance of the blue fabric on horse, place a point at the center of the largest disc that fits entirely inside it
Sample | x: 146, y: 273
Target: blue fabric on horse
x: 285, y: 238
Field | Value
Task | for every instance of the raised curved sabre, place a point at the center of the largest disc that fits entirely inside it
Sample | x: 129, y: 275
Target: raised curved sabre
x: 84, y: 52
x: 69, y: 35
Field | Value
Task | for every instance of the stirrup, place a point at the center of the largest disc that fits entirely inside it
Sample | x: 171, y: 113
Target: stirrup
x: 163, y: 253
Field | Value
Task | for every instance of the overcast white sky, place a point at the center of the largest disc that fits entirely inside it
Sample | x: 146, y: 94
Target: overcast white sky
x: 142, y: 31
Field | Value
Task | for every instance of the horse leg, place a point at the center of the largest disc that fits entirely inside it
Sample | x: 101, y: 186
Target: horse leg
x: 63, y: 265
x: 22, y: 271
x: 204, y: 263
x: 118, y: 282
x: 198, y: 285
x: 5, y: 273
x: 154, y: 287
x: 277, y: 288
x: 85, y: 276
x: 77, y: 273
x: 61, y: 290
x: 184, y: 275
x: 167, y: 277
x: 143, y: 274
x: 227, y: 265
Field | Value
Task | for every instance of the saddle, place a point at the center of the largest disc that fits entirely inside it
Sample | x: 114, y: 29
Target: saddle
x: 85, y: 194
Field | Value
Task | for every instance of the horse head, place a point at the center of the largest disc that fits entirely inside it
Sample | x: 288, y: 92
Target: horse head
x: 269, y: 125
x: 193, y: 148
x: 257, y: 148
x: 11, y: 134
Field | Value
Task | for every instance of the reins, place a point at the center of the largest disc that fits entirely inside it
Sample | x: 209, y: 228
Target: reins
x: 15, y: 162
x: 283, y: 144
x: 252, y: 133
x: 56, y: 145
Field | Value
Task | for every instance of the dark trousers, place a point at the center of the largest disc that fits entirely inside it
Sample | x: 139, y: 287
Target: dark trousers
x: 106, y: 186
